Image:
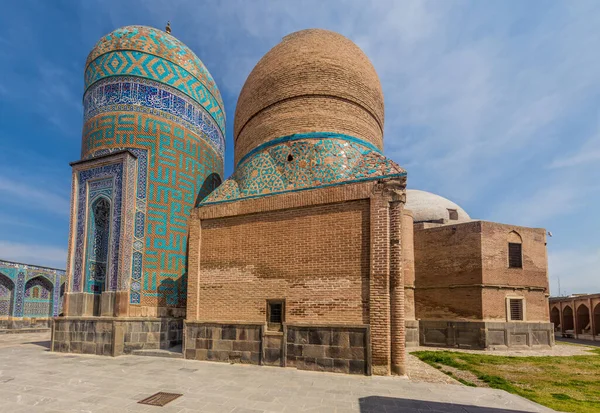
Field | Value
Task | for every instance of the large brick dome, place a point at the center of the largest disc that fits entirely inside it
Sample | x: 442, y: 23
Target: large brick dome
x: 313, y: 81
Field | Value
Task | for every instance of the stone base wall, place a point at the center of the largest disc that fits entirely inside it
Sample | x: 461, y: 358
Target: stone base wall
x: 151, y: 334
x: 321, y: 348
x: 20, y: 323
x: 412, y: 333
x: 334, y: 349
x: 111, y: 336
x: 485, y: 335
x: 233, y: 343
x: 83, y: 336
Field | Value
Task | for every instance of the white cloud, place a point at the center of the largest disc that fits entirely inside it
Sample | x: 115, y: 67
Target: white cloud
x: 33, y: 197
x: 578, y: 271
x: 33, y: 254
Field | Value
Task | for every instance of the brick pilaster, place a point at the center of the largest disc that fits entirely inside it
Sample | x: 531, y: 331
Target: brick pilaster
x: 379, y: 282
x: 397, y: 316
x: 193, y: 267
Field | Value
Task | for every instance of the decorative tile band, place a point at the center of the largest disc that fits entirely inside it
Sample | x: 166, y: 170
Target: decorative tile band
x: 134, y: 63
x: 300, y: 164
x: 311, y: 135
x: 156, y: 42
x: 135, y: 94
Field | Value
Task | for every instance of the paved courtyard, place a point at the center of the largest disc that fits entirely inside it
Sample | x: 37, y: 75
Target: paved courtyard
x: 32, y: 379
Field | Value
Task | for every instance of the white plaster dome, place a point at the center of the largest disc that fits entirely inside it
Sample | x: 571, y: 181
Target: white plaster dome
x: 428, y: 207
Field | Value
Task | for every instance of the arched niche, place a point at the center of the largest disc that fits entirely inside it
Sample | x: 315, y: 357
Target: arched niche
x: 38, y: 298
x: 7, y: 289
x: 98, y: 240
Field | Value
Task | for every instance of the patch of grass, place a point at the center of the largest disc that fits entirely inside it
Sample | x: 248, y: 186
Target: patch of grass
x: 569, y: 384
x: 561, y: 396
x: 466, y: 383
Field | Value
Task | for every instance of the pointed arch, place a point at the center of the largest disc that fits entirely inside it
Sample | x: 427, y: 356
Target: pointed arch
x: 514, y: 236
x: 568, y: 320
x: 555, y: 318
x: 211, y: 183
x: 98, y: 241
x: 7, y: 289
x: 38, y: 298
x: 583, y: 319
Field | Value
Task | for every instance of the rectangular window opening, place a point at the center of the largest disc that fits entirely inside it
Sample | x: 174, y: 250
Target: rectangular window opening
x: 515, y: 256
x: 275, y: 314
x: 516, y: 309
x: 453, y: 214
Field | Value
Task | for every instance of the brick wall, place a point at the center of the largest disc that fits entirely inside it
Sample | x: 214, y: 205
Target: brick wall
x: 530, y: 282
x: 316, y: 258
x: 446, y: 256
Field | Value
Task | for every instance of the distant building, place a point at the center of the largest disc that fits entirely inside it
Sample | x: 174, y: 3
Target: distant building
x: 304, y: 257
x: 30, y: 295
x: 577, y: 315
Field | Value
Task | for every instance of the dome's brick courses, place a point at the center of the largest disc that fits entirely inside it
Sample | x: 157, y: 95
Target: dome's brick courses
x: 313, y: 81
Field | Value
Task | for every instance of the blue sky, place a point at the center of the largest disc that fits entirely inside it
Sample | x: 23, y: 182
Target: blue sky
x: 494, y: 105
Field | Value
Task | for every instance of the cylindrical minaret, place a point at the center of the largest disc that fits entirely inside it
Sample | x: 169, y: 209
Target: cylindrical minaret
x: 152, y: 147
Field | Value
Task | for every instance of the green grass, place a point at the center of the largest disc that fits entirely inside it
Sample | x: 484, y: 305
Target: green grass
x: 570, y: 384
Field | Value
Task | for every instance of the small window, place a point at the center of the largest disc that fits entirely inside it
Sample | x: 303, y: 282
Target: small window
x: 453, y: 214
x: 35, y: 292
x: 515, y: 309
x: 275, y: 314
x: 515, y: 256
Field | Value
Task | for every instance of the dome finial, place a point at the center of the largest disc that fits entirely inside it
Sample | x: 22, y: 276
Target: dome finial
x: 168, y: 28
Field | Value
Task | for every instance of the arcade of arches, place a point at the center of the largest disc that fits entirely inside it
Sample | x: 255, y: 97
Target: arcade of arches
x: 29, y: 295
x: 577, y: 316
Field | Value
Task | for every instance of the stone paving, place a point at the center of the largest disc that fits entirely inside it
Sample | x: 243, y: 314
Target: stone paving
x: 32, y: 379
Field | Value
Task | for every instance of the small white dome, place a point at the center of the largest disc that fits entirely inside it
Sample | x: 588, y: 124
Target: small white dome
x: 428, y: 207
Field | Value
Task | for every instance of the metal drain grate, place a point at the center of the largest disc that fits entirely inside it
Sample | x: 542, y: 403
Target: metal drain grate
x: 160, y: 399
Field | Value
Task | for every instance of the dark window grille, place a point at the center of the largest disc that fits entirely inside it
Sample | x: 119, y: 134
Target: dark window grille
x: 276, y: 312
x: 453, y: 214
x: 516, y: 309
x: 515, y: 256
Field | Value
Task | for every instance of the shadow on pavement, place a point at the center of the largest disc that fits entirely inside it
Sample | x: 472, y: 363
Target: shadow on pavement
x: 373, y: 404
x: 45, y: 344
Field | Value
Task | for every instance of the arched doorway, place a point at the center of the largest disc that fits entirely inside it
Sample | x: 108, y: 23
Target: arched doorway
x: 98, y: 239
x: 583, y: 319
x: 597, y: 319
x: 568, y: 318
x: 555, y: 318
x: 38, y: 298
x: 7, y: 288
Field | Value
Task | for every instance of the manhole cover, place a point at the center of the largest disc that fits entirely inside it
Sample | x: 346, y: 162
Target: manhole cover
x: 160, y: 399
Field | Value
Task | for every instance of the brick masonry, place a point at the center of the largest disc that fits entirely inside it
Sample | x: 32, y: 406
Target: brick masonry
x: 462, y: 272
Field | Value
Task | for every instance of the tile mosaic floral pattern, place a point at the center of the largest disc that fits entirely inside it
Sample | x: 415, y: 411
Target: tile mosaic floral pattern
x: 298, y: 164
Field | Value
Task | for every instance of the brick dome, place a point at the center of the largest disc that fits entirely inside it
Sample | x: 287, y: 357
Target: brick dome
x: 313, y: 81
